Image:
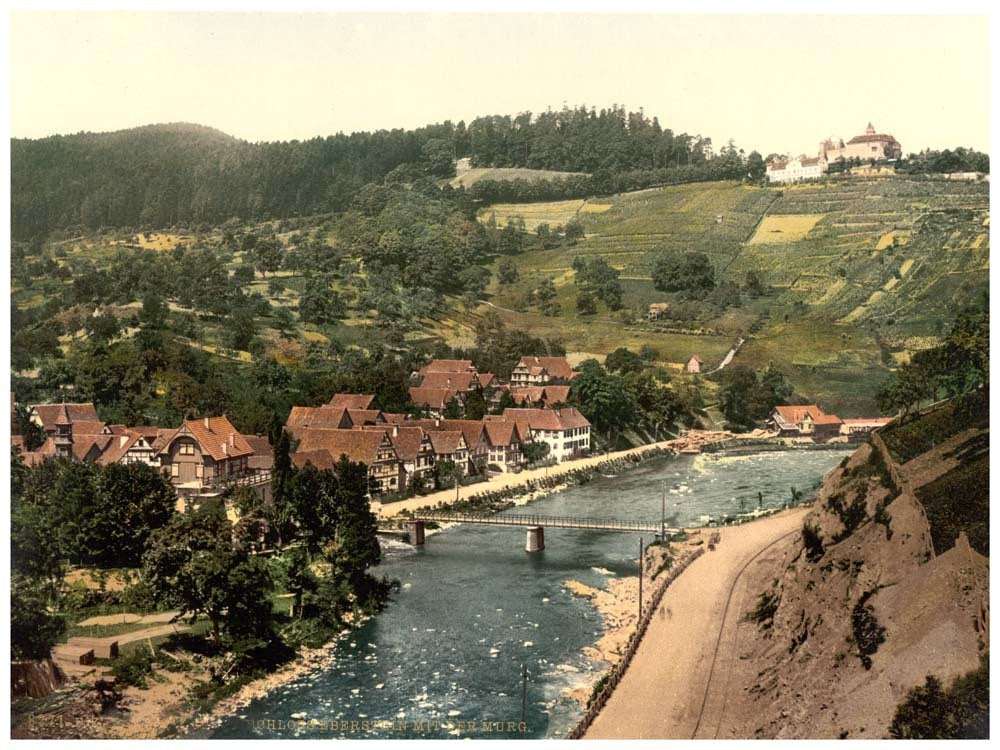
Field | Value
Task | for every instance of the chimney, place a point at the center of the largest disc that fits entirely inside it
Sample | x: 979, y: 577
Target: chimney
x: 232, y: 439
x: 225, y: 449
x: 437, y: 421
x: 206, y: 423
x: 395, y: 430
x: 122, y: 439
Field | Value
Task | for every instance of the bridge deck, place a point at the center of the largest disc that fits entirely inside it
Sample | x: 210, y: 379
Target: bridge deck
x: 557, y: 522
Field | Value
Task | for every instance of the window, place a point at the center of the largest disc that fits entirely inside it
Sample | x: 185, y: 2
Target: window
x: 198, y: 470
x: 175, y: 470
x: 185, y: 448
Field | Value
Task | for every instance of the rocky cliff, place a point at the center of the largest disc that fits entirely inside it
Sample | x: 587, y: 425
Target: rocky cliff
x: 881, y: 589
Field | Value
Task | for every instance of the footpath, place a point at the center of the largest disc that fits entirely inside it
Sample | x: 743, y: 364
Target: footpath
x: 691, y: 442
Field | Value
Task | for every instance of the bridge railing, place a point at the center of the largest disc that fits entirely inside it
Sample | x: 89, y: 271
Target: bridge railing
x: 540, y: 520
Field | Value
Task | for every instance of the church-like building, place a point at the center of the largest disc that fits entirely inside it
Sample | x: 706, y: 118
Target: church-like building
x: 870, y: 146
x: 867, y: 148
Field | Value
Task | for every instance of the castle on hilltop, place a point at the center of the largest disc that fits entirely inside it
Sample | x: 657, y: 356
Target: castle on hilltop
x: 868, y: 147
x: 871, y: 145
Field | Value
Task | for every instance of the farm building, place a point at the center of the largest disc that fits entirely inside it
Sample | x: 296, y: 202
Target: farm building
x: 657, y: 310
x: 694, y: 364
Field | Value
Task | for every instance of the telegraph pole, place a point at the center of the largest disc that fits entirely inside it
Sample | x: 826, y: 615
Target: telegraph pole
x: 663, y: 510
x: 640, y: 581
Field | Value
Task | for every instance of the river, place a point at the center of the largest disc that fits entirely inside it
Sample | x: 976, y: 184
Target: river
x: 473, y: 607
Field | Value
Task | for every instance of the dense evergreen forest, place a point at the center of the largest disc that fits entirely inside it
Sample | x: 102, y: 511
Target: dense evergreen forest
x: 181, y: 174
x: 166, y: 175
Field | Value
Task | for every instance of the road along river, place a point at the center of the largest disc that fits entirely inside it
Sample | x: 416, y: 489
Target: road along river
x: 444, y: 659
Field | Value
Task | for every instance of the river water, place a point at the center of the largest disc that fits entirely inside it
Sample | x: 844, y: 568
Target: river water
x: 473, y: 607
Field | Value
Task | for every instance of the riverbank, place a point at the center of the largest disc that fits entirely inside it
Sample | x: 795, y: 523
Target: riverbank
x: 662, y: 694
x: 694, y: 441
x: 618, y: 604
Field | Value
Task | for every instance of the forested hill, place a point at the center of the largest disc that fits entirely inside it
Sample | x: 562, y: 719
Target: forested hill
x: 180, y: 174
x: 165, y: 175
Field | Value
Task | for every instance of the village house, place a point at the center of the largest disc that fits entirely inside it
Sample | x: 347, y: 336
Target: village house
x: 323, y: 447
x: 806, y: 420
x: 797, y: 169
x: 330, y: 416
x: 82, y: 439
x: 413, y: 448
x: 352, y: 401
x: 657, y: 310
x: 544, y: 396
x: 541, y: 371
x: 694, y: 364
x: 135, y: 445
x: 505, y: 442
x: 203, y: 456
x: 450, y: 445
x: 45, y: 415
x: 566, y: 431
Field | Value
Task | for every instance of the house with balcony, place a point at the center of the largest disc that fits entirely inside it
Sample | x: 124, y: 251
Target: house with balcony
x: 204, y: 456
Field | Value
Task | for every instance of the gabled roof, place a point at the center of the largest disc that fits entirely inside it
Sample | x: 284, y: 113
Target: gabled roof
x: 436, y: 398
x: 215, y: 435
x: 472, y: 430
x: 697, y: 359
x: 120, y: 445
x: 82, y: 427
x: 48, y: 414
x: 446, y: 365
x: 351, y: 401
x: 462, y: 381
x: 872, y: 138
x: 358, y: 417
x: 395, y: 418
x: 406, y: 440
x: 447, y: 441
x: 502, y: 434
x: 357, y: 445
x: 548, y: 419
x: 84, y: 448
x: 320, y: 459
x: 827, y: 419
x: 263, y: 453
x: 486, y: 379
x: 556, y: 367
x: 317, y: 416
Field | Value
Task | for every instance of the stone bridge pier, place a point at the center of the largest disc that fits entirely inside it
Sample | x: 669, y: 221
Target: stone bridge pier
x: 416, y: 531
x: 536, y: 539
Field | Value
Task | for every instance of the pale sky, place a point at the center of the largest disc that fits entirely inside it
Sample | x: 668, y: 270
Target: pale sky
x: 771, y: 83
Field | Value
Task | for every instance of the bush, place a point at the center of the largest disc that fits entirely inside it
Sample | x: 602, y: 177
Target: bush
x: 868, y: 634
x: 763, y: 614
x: 930, y: 712
x: 133, y: 667
x: 813, y: 542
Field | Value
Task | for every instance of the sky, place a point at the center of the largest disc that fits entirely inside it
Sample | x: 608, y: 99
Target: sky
x: 771, y: 83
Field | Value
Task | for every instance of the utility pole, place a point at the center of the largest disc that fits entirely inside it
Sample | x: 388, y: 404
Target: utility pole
x: 524, y: 693
x: 640, y: 582
x: 663, y: 511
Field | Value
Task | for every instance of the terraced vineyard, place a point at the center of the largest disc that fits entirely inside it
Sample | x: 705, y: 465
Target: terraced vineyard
x: 861, y: 272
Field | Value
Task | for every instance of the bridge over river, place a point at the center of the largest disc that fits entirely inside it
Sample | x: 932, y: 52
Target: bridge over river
x: 536, y: 524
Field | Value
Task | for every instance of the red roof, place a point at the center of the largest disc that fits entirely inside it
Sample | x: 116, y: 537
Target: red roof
x: 351, y: 401
x: 49, y: 413
x: 462, y: 381
x: 446, y: 365
x: 357, y: 445
x: 405, y: 440
x: 320, y: 459
x: 548, y: 419
x: 436, y: 398
x: 447, y: 441
x: 697, y: 359
x: 215, y: 435
x: 556, y: 367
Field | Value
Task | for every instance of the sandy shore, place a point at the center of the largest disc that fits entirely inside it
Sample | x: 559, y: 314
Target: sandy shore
x: 664, y: 690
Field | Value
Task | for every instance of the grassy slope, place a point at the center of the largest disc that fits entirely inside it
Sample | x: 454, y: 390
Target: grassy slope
x: 879, y: 265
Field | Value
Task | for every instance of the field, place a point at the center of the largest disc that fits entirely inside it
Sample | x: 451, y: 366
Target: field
x: 472, y: 176
x: 860, y: 273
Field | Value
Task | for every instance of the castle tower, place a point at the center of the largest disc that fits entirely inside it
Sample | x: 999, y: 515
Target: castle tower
x: 869, y: 130
x: 63, y: 437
